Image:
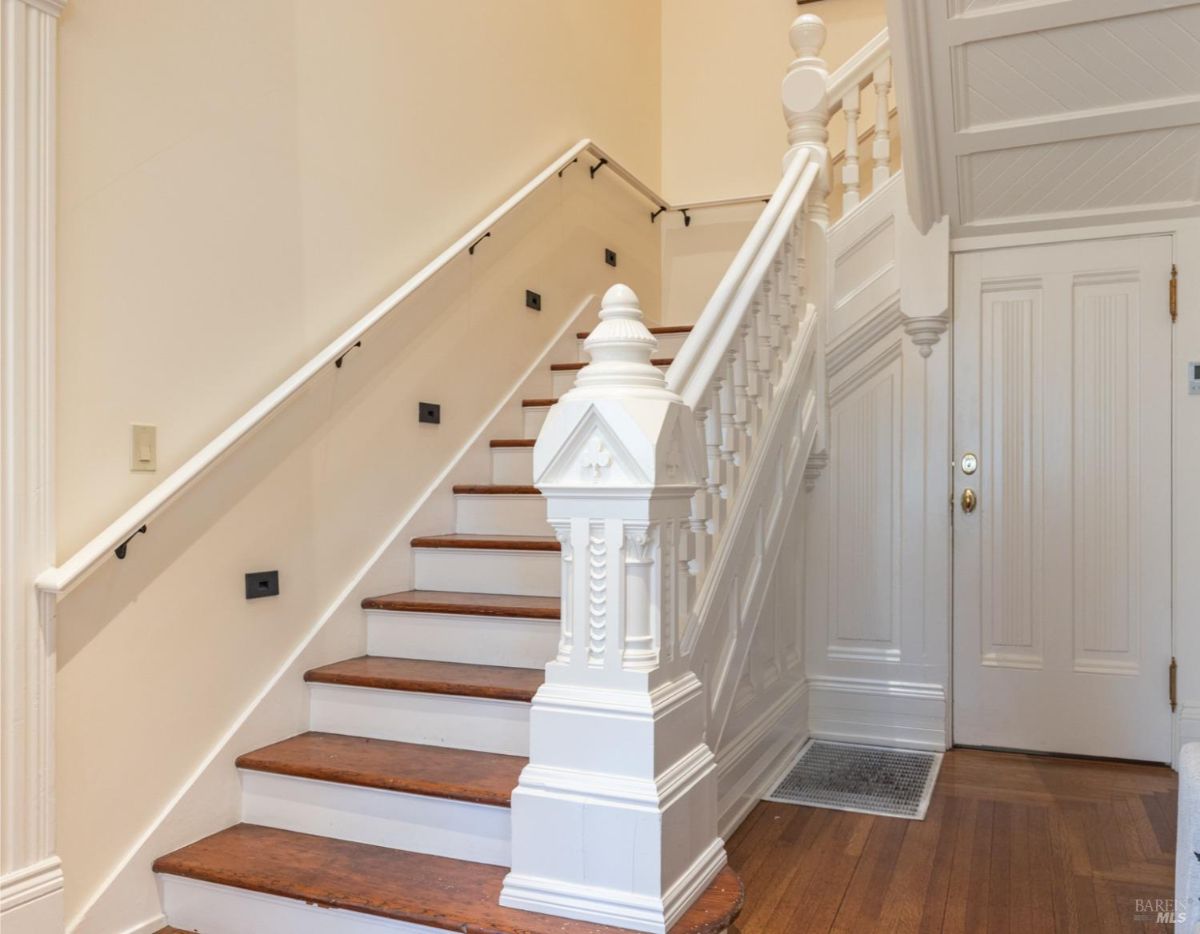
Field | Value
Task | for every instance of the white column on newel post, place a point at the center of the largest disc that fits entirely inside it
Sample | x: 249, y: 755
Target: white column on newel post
x: 31, y: 878
x: 615, y: 818
x: 805, y: 96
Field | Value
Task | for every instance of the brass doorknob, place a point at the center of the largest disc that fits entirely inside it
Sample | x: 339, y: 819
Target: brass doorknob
x: 969, y: 500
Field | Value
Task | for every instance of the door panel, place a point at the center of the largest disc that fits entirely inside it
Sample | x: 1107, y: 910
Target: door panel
x: 1062, y: 571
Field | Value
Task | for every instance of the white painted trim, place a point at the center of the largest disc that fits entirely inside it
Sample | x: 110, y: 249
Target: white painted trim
x: 62, y: 578
x: 32, y: 881
x: 1122, y: 231
x: 734, y: 804
x: 287, y: 670
x: 871, y: 710
x: 151, y: 925
x: 600, y: 904
x: 908, y: 20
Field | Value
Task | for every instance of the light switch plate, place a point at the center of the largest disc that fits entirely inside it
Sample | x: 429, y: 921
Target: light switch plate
x: 143, y: 454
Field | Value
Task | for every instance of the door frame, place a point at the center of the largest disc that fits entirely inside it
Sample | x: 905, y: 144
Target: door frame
x: 1185, y: 242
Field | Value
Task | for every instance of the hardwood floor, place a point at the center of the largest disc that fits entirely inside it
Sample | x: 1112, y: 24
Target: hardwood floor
x: 1011, y: 843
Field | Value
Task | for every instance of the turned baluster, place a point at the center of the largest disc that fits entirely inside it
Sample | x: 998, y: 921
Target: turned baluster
x: 765, y: 351
x: 713, y: 483
x: 881, y: 149
x: 750, y: 350
x: 851, y: 107
x: 729, y: 446
x: 741, y: 384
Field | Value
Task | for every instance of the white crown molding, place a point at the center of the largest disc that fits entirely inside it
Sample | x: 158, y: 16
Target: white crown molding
x: 31, y: 887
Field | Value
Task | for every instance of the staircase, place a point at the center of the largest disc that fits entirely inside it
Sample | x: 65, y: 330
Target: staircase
x: 396, y: 803
x: 601, y: 665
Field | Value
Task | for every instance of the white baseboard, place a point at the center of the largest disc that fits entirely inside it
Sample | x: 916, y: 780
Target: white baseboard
x: 750, y: 765
x: 149, y: 926
x: 604, y: 905
x: 31, y: 899
x: 887, y: 713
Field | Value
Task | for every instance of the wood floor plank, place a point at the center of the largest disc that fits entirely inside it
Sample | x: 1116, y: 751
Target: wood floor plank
x: 1011, y: 843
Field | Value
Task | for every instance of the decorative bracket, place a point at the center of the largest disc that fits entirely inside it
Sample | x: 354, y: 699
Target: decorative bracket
x: 925, y: 332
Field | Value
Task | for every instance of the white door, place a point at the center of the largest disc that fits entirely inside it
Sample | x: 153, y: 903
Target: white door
x: 1062, y: 586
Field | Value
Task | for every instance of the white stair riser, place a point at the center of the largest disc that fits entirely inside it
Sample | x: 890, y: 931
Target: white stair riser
x: 512, y: 466
x: 481, y: 570
x: 534, y: 417
x: 563, y: 380
x: 477, y: 723
x: 488, y: 514
x: 192, y: 905
x: 471, y: 640
x: 668, y: 347
x: 479, y: 833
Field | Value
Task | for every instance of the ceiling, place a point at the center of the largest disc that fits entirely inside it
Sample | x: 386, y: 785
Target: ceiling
x: 1040, y: 114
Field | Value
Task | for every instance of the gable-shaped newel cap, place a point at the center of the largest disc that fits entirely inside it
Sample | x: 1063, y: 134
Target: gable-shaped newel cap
x: 620, y: 348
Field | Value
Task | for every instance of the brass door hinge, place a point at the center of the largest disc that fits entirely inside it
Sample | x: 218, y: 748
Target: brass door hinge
x: 1174, y: 294
x: 1171, y: 681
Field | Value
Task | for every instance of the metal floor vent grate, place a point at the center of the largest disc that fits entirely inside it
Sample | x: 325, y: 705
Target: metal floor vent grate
x: 868, y: 779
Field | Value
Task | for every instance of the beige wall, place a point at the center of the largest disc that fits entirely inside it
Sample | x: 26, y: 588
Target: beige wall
x: 241, y: 179
x: 723, y: 60
x: 160, y: 654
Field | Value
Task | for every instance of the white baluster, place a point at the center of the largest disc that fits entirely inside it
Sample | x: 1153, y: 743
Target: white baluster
x: 765, y: 351
x: 881, y: 149
x: 729, y: 447
x: 714, y: 482
x: 850, y: 184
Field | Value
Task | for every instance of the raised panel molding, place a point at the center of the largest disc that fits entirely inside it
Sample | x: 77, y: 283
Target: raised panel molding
x: 864, y: 540
x: 1051, y: 114
x: 1012, y: 538
x: 1105, y: 453
x: 1053, y: 72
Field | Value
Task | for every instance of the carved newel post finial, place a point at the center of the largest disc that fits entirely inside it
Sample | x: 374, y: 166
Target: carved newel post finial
x: 620, y: 348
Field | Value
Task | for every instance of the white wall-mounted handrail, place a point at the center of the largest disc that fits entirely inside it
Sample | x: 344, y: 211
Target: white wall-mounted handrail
x: 70, y: 572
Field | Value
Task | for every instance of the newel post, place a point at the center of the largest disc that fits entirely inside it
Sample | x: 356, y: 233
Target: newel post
x: 615, y: 817
x: 805, y: 95
x: 805, y: 98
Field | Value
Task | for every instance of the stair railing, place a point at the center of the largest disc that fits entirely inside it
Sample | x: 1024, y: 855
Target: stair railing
x: 668, y: 494
x: 871, y: 66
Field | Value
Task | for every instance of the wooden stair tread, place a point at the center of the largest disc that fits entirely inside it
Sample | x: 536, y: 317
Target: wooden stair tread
x: 489, y: 542
x: 410, y: 674
x: 663, y: 329
x: 496, y: 489
x: 664, y: 361
x: 537, y: 403
x: 435, y: 771
x: 466, y: 604
x: 435, y: 891
x: 513, y: 442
